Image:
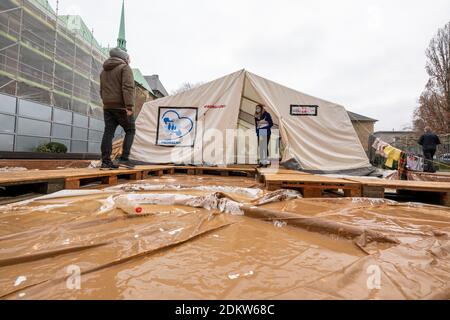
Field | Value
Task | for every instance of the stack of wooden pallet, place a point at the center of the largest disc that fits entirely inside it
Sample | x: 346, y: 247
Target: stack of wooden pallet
x: 313, y: 186
x: 222, y: 171
x: 376, y: 188
x: 48, y: 181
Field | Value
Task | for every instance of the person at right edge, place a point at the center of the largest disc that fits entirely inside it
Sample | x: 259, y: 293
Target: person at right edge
x: 118, y: 94
x: 264, y: 124
x: 429, y: 142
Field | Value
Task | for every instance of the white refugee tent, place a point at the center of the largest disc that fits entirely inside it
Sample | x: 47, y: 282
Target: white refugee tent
x: 196, y: 127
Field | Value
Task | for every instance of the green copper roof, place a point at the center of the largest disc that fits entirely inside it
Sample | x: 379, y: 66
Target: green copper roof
x: 71, y: 22
x: 121, y: 40
x: 139, y: 78
x: 44, y: 5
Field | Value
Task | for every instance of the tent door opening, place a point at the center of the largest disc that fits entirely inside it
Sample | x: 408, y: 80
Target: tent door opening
x: 247, y: 142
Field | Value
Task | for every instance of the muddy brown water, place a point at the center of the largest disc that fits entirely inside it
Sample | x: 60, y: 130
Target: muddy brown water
x: 71, y: 248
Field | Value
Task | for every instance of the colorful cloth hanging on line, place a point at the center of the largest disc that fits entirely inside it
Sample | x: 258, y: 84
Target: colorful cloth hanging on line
x: 402, y: 166
x: 392, y: 154
x: 379, y: 147
x: 415, y: 163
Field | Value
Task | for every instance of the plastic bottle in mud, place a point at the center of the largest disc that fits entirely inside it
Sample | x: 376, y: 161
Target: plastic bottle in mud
x: 128, y: 206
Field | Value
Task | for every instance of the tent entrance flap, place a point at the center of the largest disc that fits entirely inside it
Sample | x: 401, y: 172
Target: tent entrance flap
x: 246, y: 150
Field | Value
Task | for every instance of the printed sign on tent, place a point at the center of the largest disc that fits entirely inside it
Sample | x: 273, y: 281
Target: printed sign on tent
x: 305, y: 111
x: 177, y: 126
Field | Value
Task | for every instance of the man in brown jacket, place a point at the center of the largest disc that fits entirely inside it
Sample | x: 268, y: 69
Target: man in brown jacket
x: 117, y: 92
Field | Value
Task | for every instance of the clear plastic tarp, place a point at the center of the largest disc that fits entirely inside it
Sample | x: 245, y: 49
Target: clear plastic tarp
x: 182, y: 237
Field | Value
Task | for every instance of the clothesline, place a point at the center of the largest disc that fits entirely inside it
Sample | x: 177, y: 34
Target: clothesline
x: 407, y: 153
x: 394, y: 154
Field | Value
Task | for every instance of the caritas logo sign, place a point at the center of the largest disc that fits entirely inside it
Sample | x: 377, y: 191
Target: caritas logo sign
x: 212, y: 106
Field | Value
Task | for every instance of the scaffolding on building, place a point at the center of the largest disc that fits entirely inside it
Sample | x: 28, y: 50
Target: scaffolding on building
x: 49, y: 58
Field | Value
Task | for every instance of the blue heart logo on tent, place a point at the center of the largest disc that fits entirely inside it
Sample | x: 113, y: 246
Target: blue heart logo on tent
x: 177, y: 125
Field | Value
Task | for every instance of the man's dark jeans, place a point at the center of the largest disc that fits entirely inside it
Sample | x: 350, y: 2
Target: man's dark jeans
x: 429, y: 160
x: 113, y: 119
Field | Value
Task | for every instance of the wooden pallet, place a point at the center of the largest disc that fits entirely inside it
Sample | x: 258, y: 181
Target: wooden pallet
x: 376, y: 188
x: 312, y: 186
x: 424, y: 176
x: 103, y: 179
x: 152, y: 172
x: 50, y: 181
x: 111, y: 178
x: 37, y: 164
x: 261, y: 173
x: 220, y: 171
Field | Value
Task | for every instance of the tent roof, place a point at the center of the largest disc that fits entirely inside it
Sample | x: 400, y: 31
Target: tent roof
x: 358, y: 117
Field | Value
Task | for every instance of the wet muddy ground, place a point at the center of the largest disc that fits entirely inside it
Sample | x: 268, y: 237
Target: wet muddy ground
x: 203, y: 237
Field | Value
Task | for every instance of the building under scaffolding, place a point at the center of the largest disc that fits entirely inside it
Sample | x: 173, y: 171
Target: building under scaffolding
x: 48, y: 62
x: 49, y: 79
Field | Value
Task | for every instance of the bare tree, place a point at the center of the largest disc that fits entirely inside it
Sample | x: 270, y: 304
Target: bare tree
x: 434, y: 103
x: 186, y: 86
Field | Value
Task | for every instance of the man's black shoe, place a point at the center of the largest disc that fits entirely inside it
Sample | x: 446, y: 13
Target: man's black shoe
x: 126, y: 163
x: 109, y: 166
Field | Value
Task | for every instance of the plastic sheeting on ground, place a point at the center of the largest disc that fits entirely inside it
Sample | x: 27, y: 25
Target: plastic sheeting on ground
x: 12, y: 169
x: 284, y: 247
x: 435, y: 177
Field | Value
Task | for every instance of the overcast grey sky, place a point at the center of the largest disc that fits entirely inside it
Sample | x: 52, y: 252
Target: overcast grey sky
x: 366, y: 55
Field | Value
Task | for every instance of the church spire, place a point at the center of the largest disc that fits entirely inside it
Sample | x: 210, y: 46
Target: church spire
x: 121, y: 41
